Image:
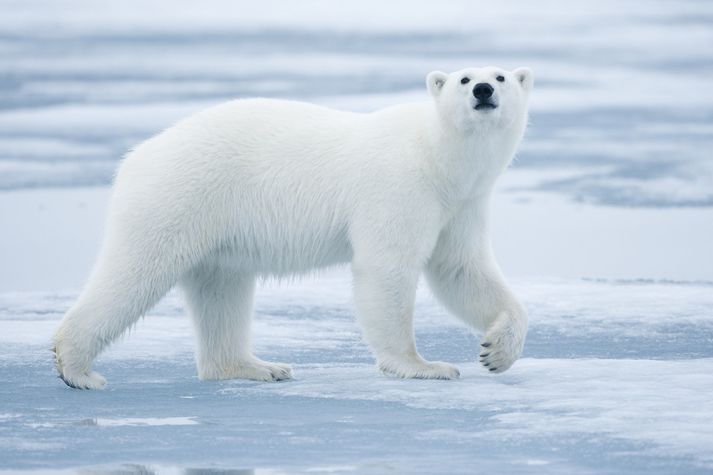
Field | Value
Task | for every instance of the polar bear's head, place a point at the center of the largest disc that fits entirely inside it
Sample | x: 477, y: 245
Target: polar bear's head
x: 476, y: 97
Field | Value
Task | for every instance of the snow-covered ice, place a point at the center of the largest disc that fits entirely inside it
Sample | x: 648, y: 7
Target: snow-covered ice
x: 616, y: 377
x: 603, y: 224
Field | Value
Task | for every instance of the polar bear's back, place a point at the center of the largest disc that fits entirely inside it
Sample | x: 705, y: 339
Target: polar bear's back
x: 240, y: 134
x: 273, y: 178
x: 272, y: 121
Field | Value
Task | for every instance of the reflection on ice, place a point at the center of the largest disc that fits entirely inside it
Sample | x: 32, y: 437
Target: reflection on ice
x: 144, y: 421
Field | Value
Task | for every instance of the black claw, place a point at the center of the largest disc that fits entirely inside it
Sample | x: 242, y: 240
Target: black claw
x: 486, y: 345
x: 493, y: 369
x: 483, y: 355
x: 486, y: 364
x: 66, y: 381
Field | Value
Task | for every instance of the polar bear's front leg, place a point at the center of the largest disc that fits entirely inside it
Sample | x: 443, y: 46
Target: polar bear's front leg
x: 384, y: 296
x: 474, y: 289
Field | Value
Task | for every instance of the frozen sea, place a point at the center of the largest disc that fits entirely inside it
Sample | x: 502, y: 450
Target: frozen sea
x: 603, y: 225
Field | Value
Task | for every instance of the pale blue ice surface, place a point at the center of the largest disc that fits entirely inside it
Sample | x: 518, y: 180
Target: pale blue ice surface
x: 616, y: 377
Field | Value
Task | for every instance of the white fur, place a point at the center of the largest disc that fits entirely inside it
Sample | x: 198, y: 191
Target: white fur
x: 261, y: 187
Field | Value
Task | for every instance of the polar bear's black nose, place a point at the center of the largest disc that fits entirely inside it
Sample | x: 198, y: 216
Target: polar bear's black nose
x: 482, y: 91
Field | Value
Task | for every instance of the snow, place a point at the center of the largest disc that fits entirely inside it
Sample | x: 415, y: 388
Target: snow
x: 603, y: 225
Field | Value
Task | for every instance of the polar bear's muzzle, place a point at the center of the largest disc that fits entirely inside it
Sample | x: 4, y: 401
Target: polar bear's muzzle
x: 483, y: 93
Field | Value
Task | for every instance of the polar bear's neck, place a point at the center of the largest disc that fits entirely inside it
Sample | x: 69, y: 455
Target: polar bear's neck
x: 466, y: 164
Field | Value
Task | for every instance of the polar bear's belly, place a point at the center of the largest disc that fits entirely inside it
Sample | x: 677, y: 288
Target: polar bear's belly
x: 288, y: 255
x: 280, y: 241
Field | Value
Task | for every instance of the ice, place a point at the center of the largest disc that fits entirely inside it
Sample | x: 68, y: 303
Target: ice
x: 612, y: 379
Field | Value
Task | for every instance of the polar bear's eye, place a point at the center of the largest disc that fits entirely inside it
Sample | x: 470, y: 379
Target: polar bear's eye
x: 465, y: 80
x: 500, y: 78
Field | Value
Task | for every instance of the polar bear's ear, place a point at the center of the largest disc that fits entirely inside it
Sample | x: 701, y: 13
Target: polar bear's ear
x: 435, y: 82
x: 524, y: 77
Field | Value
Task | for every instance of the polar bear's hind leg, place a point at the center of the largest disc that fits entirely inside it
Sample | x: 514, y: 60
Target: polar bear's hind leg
x: 122, y: 288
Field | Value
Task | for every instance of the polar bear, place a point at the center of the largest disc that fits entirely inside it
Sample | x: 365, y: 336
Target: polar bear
x: 262, y: 187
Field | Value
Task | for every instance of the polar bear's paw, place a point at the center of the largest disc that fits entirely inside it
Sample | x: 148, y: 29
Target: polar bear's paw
x: 419, y: 369
x: 83, y: 380
x: 254, y: 369
x: 75, y: 372
x: 503, y: 343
